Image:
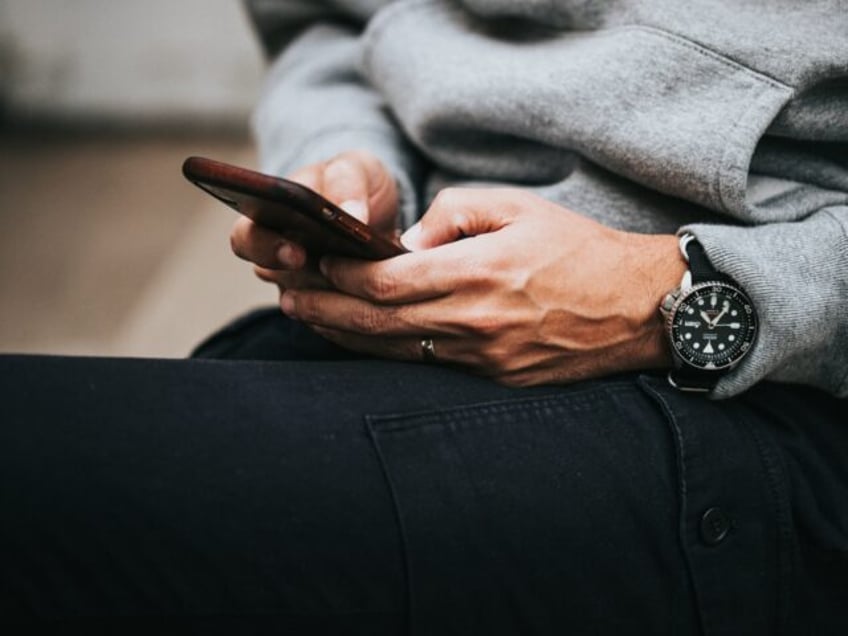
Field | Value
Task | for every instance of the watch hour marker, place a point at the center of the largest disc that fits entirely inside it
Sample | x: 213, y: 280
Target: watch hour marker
x: 713, y: 300
x: 731, y: 337
x: 709, y: 348
x: 697, y: 345
x: 735, y: 325
x: 721, y: 346
x: 687, y: 335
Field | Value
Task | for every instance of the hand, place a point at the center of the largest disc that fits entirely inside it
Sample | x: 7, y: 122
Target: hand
x: 355, y: 180
x: 535, y: 294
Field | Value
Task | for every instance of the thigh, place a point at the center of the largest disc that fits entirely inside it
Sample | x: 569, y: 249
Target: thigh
x: 370, y: 491
x: 205, y: 489
x: 216, y: 494
x: 378, y: 496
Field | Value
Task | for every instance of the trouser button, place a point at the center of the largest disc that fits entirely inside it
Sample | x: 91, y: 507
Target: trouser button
x: 715, y: 524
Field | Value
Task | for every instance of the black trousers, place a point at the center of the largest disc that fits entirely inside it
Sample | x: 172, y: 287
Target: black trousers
x: 319, y: 493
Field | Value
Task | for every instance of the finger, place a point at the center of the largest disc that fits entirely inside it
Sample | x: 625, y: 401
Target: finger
x: 447, y: 351
x: 301, y: 279
x: 346, y: 184
x: 265, y: 247
x: 355, y: 315
x: 407, y: 278
x: 311, y: 176
x: 382, y: 192
x: 460, y: 212
x: 381, y: 347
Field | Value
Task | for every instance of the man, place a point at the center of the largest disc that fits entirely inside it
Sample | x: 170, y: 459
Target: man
x: 669, y: 222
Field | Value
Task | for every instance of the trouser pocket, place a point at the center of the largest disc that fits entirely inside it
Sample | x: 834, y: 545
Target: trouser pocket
x: 539, y: 515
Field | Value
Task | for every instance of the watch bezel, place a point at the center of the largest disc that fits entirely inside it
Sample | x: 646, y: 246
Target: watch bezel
x: 747, y: 341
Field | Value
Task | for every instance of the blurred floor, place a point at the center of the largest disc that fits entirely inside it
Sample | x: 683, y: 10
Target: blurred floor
x: 106, y: 250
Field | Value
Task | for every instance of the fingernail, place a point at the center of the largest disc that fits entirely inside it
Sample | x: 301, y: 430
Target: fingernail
x: 410, y: 238
x: 323, y: 266
x: 356, y: 208
x: 287, y: 303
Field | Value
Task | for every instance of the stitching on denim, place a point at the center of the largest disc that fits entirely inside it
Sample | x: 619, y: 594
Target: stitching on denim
x: 524, y: 407
x: 404, y: 541
x: 681, y: 466
x: 775, y: 476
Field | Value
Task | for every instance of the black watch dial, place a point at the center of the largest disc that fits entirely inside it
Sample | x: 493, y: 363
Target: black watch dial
x: 713, y: 325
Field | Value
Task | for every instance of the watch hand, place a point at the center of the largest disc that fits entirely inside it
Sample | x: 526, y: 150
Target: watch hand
x: 714, y: 321
x: 706, y: 319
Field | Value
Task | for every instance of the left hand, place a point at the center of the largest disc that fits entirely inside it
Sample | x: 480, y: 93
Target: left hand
x: 357, y: 181
x: 533, y: 293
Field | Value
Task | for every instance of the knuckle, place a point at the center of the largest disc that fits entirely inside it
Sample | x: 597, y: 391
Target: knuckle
x: 484, y: 324
x: 502, y: 360
x: 449, y: 198
x: 487, y: 326
x: 372, y: 321
x: 489, y: 361
x: 306, y: 308
x: 381, y: 286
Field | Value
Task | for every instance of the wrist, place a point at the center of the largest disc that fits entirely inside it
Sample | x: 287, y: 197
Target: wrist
x: 656, y: 266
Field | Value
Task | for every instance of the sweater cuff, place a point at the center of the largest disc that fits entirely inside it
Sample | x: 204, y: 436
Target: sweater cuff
x: 794, y: 274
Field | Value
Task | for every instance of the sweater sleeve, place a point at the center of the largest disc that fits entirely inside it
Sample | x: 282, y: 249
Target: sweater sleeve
x: 797, y: 276
x: 316, y: 103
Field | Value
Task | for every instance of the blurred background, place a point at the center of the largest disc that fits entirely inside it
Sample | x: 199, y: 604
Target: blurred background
x: 104, y: 248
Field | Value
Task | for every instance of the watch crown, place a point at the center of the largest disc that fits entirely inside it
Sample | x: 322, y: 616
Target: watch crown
x: 668, y: 302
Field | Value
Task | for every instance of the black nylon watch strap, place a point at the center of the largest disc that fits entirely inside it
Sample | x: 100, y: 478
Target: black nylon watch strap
x: 685, y: 377
x: 688, y: 379
x: 699, y: 264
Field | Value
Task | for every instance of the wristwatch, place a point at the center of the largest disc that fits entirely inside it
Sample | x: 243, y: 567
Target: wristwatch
x: 710, y: 322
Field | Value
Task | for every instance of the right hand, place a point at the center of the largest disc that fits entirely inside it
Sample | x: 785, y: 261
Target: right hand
x: 356, y: 181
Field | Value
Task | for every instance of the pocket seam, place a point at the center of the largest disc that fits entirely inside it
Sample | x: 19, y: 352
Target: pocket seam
x: 572, y: 400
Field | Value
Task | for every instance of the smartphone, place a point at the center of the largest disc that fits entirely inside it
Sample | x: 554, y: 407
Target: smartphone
x: 295, y: 211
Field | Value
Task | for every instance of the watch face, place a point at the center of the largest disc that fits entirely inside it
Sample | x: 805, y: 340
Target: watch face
x: 713, y: 325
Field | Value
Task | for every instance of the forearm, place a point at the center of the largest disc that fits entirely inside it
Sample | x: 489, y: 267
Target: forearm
x: 315, y: 103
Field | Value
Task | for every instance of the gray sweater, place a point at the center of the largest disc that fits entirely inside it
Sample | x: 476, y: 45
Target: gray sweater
x: 724, y: 118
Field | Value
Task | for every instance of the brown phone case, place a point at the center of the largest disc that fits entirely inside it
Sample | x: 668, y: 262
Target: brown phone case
x: 297, y: 212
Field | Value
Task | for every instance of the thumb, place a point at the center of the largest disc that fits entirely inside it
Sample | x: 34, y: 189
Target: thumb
x: 346, y: 185
x: 457, y: 213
